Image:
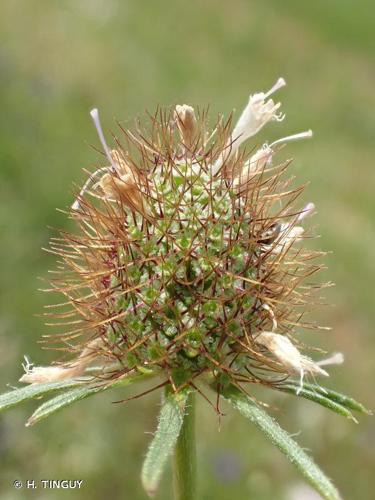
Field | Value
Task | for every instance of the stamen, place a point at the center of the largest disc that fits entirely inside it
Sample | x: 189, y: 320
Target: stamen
x: 28, y: 365
x: 95, y: 117
x: 94, y: 113
x: 308, y: 209
x: 336, y: 359
x: 272, y: 314
x: 295, y: 137
x: 278, y: 85
x: 300, y: 387
x: 77, y: 204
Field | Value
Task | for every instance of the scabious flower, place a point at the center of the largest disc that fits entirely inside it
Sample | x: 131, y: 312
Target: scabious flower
x: 187, y: 257
x: 188, y: 264
x: 256, y: 114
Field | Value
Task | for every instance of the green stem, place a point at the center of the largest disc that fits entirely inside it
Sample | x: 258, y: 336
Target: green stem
x: 184, y: 459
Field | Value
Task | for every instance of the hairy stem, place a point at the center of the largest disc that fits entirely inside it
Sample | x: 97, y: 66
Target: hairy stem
x: 184, y: 459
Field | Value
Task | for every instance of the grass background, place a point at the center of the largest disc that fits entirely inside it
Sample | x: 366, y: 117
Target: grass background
x: 58, y: 59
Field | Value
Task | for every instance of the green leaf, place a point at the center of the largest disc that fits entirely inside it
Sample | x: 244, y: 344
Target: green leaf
x: 334, y: 396
x: 18, y: 396
x: 317, y: 398
x: 61, y: 401
x: 84, y: 391
x: 283, y: 441
x: 170, y: 422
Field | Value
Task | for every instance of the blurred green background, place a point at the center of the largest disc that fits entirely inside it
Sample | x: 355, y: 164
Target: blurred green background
x: 58, y: 59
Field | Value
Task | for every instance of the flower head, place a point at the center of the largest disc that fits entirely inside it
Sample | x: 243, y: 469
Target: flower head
x: 187, y: 258
x: 188, y: 264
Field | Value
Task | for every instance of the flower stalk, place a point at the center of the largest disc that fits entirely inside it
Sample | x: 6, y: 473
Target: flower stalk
x: 184, y: 458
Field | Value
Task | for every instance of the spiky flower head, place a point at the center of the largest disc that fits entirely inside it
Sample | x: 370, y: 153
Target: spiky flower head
x: 188, y: 262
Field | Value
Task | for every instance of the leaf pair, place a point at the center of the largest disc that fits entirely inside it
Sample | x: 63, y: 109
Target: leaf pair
x: 338, y: 403
x: 281, y: 439
x: 78, y: 389
x: 173, y: 415
x: 170, y: 423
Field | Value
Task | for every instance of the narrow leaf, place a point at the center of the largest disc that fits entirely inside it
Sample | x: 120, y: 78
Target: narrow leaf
x: 18, y: 396
x: 337, y: 397
x: 170, y: 422
x: 61, y: 401
x: 283, y: 441
x: 317, y: 398
x: 67, y: 398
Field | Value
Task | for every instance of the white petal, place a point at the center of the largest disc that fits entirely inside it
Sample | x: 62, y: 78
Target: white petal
x: 254, y: 117
x: 260, y: 159
x: 289, y: 356
x: 283, y: 350
x: 287, y: 237
x: 311, y: 367
x: 256, y: 114
x: 256, y: 163
x: 44, y: 374
x: 295, y: 233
